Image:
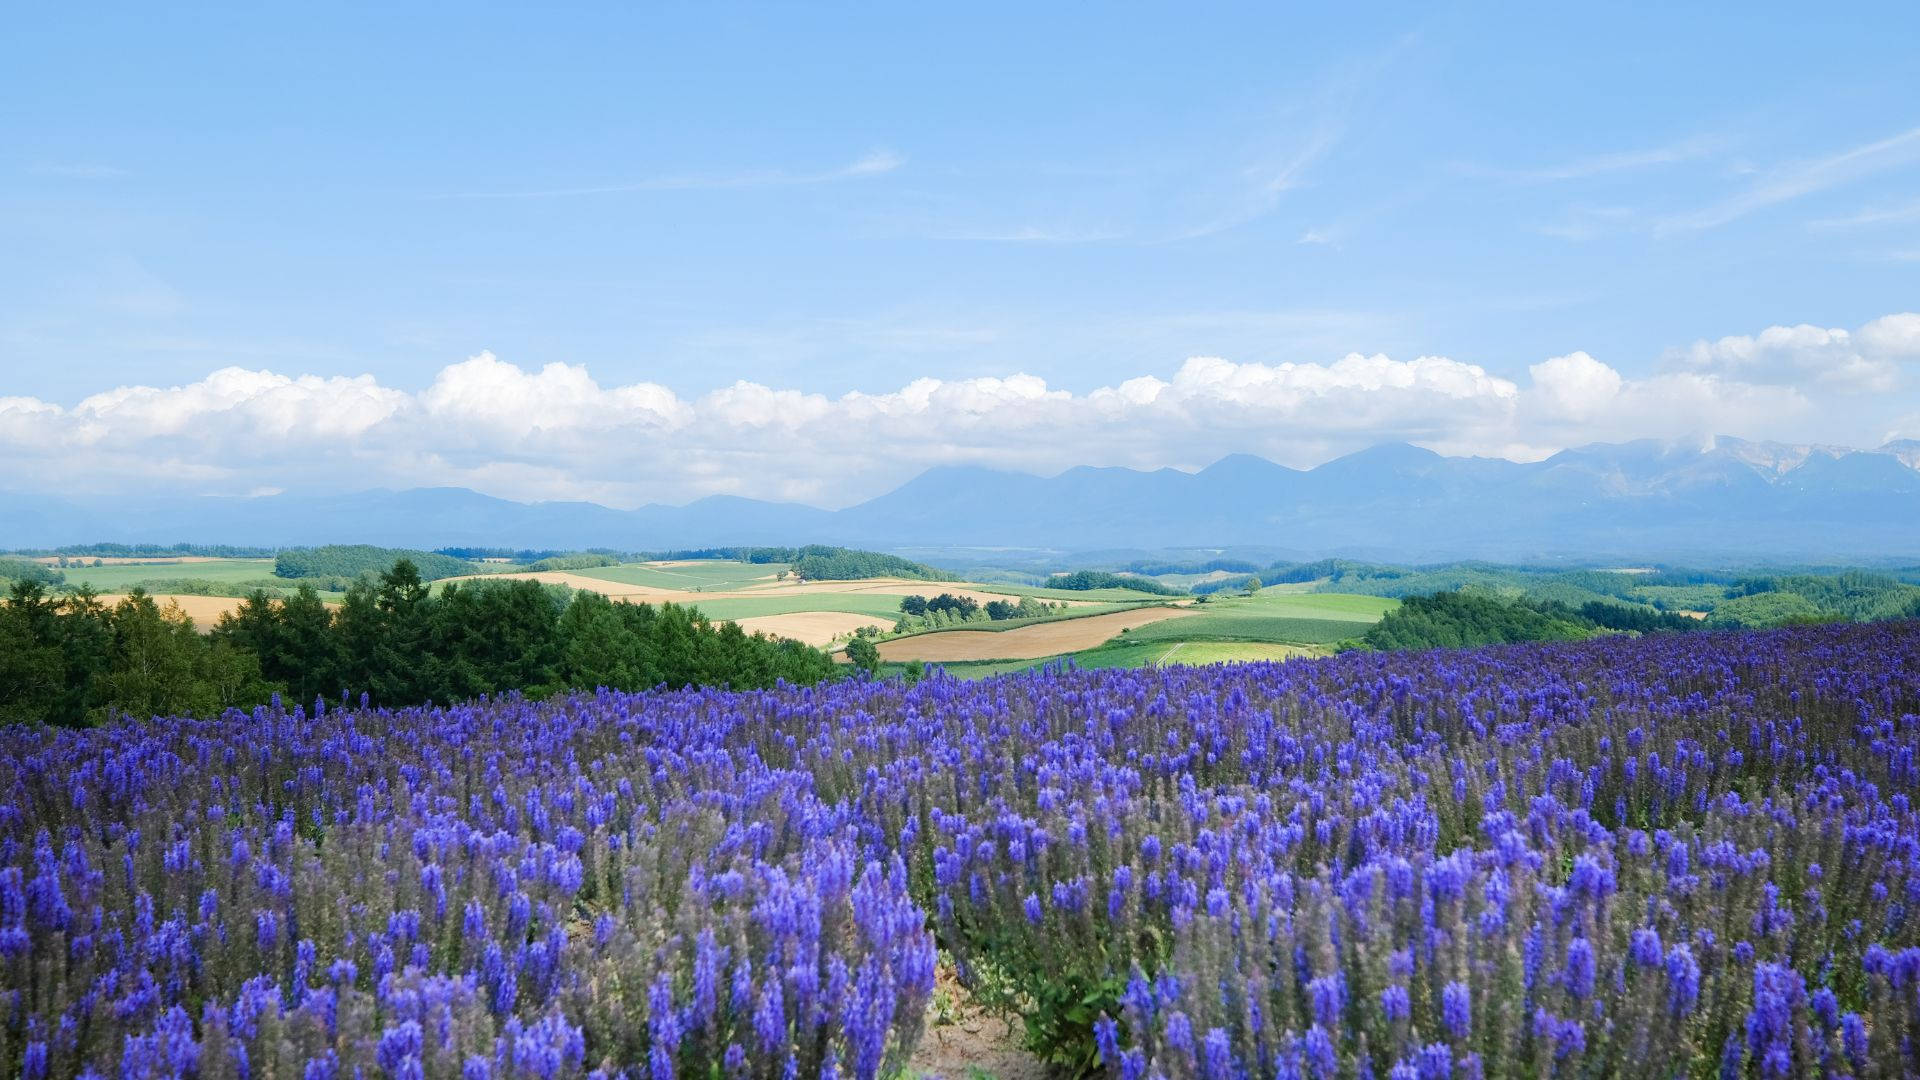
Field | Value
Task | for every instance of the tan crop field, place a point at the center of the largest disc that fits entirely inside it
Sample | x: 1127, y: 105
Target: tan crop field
x: 812, y: 627
x: 203, y: 610
x: 1027, y: 642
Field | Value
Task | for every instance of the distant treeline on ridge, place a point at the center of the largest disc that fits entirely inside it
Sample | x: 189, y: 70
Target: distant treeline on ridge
x: 1088, y: 580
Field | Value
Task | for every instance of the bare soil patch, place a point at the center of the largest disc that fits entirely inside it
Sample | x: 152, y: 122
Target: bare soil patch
x: 962, y: 1042
x: 1026, y: 642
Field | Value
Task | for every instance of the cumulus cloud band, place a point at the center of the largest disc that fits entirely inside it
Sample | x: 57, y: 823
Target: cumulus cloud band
x: 557, y: 433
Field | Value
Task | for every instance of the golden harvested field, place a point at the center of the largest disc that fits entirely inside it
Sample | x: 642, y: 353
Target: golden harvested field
x: 1027, y: 642
x: 203, y: 610
x: 812, y: 627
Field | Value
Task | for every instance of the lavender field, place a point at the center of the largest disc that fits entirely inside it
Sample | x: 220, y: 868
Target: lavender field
x: 1685, y: 855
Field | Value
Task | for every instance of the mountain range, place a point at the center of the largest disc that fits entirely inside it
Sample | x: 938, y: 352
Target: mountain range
x: 1730, y: 500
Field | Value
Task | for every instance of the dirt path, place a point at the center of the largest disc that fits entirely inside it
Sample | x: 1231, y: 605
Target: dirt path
x: 1026, y: 642
x: 963, y: 1043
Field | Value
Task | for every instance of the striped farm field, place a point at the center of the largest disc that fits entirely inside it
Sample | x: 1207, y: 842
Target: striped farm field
x: 1032, y: 642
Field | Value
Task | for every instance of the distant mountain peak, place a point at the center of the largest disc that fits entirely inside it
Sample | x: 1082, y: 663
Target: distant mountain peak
x: 1715, y: 502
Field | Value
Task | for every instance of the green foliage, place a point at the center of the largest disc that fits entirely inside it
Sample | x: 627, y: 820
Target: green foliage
x: 358, y: 560
x: 191, y: 586
x: 1150, y: 568
x: 1700, y: 597
x: 757, y: 555
x: 817, y: 563
x: 1856, y: 595
x: 1763, y: 609
x: 1637, y: 618
x: 1085, y: 580
x: 28, y: 570
x: 572, y: 562
x: 72, y: 660
x: 947, y: 606
x: 152, y: 551
x: 1452, y: 620
x: 863, y: 654
x: 920, y: 614
x: 1001, y: 610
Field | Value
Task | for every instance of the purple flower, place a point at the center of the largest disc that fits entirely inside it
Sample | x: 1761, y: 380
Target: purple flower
x: 1683, y: 980
x: 1216, y: 1062
x: 1645, y: 947
x: 1395, y: 1003
x: 1456, y: 1009
x: 1579, y: 972
x: 1328, y: 995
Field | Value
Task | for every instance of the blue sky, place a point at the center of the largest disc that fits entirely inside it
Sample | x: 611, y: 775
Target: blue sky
x: 816, y: 202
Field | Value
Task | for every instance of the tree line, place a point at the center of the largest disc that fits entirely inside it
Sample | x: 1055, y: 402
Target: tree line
x: 73, y: 660
x: 358, y: 560
x: 947, y: 609
x: 820, y: 563
x: 1461, y: 619
x: 1087, y: 580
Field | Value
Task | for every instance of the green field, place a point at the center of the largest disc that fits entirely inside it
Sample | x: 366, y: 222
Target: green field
x: 1272, y: 625
x: 1274, y: 628
x: 119, y: 579
x: 1126, y: 652
x: 1284, y: 618
x: 715, y: 575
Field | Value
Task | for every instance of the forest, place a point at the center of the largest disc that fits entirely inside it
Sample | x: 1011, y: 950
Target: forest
x: 74, y: 660
x: 1463, y: 618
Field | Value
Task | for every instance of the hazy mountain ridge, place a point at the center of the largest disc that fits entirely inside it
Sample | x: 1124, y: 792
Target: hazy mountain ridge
x: 1731, y: 499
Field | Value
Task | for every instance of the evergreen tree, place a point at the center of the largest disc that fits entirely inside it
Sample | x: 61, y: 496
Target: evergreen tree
x: 863, y: 654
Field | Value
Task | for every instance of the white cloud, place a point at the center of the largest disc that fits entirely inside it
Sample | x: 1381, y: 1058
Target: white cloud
x: 557, y: 433
x: 1895, y: 336
x: 1575, y: 386
x: 1866, y: 361
x: 503, y: 400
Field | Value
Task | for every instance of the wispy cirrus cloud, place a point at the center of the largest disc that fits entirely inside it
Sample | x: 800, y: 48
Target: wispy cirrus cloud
x: 873, y: 163
x: 1879, y: 215
x: 1618, y: 161
x: 1800, y: 178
